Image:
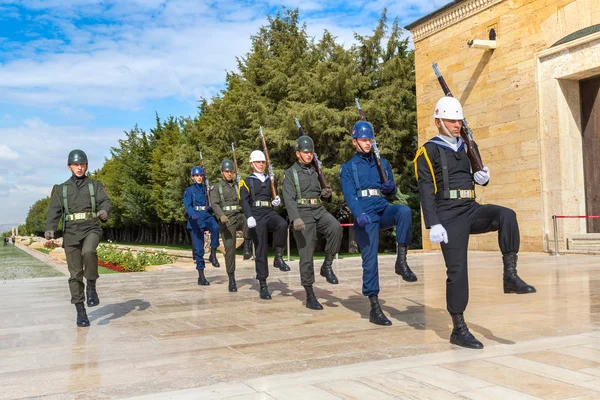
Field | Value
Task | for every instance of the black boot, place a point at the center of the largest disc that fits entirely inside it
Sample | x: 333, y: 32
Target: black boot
x: 213, y: 258
x: 278, y: 261
x: 247, y: 249
x: 460, y: 334
x: 232, y: 284
x: 512, y: 282
x: 311, y: 299
x: 377, y: 316
x: 82, y: 318
x: 327, y: 270
x: 91, y: 294
x: 202, y: 279
x: 264, y: 290
x: 402, y: 267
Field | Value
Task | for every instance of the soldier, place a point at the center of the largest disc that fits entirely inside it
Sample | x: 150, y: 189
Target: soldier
x: 302, y: 195
x: 79, y: 202
x: 200, y: 220
x: 261, y: 219
x: 227, y: 209
x: 367, y: 199
x: 451, y: 212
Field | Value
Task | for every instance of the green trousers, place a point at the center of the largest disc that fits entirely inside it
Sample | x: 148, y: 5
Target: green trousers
x: 237, y: 222
x: 82, y: 260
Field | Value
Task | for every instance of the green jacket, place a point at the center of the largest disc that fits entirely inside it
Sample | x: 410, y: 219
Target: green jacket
x: 230, y: 198
x: 310, y: 188
x: 78, y: 201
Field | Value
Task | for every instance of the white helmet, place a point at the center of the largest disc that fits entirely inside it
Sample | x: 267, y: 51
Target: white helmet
x: 257, y: 155
x: 448, y: 108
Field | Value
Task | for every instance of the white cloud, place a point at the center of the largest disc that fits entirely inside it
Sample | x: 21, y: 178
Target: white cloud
x: 39, y: 160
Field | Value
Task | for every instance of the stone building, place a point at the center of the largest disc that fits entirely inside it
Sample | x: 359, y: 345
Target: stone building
x: 532, y: 103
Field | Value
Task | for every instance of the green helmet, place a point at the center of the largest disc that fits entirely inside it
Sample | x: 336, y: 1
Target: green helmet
x: 305, y: 143
x: 77, y: 157
x: 227, y: 165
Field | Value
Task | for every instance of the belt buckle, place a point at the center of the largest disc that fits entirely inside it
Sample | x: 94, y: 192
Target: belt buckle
x: 465, y: 194
x: 79, y: 216
x: 372, y: 192
x: 454, y: 194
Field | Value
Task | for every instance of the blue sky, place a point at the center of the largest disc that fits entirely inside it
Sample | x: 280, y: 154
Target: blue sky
x: 78, y: 73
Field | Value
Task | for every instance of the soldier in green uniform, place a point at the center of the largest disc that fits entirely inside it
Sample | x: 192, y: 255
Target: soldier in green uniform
x: 226, y: 207
x: 302, y: 194
x: 79, y: 202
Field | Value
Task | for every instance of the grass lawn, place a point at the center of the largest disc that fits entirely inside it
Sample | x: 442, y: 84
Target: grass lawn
x: 102, y: 270
x: 16, y: 264
x: 44, y: 250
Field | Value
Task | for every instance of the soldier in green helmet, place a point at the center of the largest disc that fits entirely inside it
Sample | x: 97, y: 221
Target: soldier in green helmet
x: 79, y: 202
x: 226, y: 207
x: 303, y: 194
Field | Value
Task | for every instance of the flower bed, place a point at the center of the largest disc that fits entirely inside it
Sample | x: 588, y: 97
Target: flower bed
x: 110, y: 256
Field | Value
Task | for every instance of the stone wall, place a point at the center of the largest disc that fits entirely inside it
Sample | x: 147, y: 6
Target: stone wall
x: 500, y: 93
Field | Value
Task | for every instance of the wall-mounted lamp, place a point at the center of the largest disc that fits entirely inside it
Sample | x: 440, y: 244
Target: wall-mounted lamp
x: 484, y: 44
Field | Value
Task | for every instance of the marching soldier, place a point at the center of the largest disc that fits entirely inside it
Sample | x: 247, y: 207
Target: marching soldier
x: 302, y: 195
x: 447, y: 193
x: 261, y: 219
x: 200, y: 220
x: 368, y: 200
x: 79, y: 202
x: 227, y: 209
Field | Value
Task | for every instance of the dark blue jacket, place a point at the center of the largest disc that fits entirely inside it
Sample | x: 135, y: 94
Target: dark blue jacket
x: 365, y: 170
x: 195, y: 195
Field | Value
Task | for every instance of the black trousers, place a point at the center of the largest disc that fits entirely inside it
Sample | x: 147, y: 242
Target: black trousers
x: 267, y: 222
x: 474, y: 219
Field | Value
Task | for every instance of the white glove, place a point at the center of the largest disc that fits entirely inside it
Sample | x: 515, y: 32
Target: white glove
x: 438, y: 234
x: 482, y: 177
x: 276, y: 202
x: 251, y: 222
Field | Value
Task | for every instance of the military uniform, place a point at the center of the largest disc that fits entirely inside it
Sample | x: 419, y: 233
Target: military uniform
x: 225, y: 201
x: 447, y: 193
x: 302, y: 198
x: 199, y: 221
x: 368, y: 199
x: 77, y: 202
x: 255, y: 196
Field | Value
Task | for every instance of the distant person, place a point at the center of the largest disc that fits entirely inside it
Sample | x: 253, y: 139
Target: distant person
x: 79, y: 202
x: 14, y: 240
x: 5, y: 241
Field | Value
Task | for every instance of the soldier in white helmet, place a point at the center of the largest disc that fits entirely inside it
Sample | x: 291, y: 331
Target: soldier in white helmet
x: 447, y: 192
x: 257, y: 204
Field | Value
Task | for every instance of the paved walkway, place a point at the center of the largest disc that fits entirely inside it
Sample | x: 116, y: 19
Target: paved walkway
x: 159, y: 335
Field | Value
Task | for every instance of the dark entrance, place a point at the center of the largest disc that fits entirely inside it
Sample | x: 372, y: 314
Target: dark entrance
x: 590, y: 126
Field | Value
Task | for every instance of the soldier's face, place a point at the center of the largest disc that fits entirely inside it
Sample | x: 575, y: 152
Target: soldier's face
x: 362, y: 145
x: 78, y: 170
x: 258, y: 166
x: 452, y: 127
x: 304, y: 157
x: 197, y: 178
x: 227, y: 175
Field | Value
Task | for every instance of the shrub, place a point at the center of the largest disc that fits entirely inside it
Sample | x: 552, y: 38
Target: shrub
x: 132, y: 262
x: 51, y: 244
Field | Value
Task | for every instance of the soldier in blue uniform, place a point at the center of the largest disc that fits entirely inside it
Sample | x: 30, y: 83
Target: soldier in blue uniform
x: 447, y: 192
x: 200, y: 220
x: 368, y: 200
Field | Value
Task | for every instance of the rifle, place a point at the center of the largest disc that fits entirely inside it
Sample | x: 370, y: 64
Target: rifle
x: 271, y: 173
x: 465, y: 132
x: 316, y: 163
x: 382, y: 174
x: 206, y: 184
x: 237, y: 171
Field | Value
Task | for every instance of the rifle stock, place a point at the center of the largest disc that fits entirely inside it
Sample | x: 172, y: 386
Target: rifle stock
x: 382, y: 174
x: 465, y: 132
x: 269, y: 165
x: 206, y: 183
x: 316, y: 163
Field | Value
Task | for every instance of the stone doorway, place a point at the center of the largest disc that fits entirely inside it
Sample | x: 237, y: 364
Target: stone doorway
x: 590, y: 128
